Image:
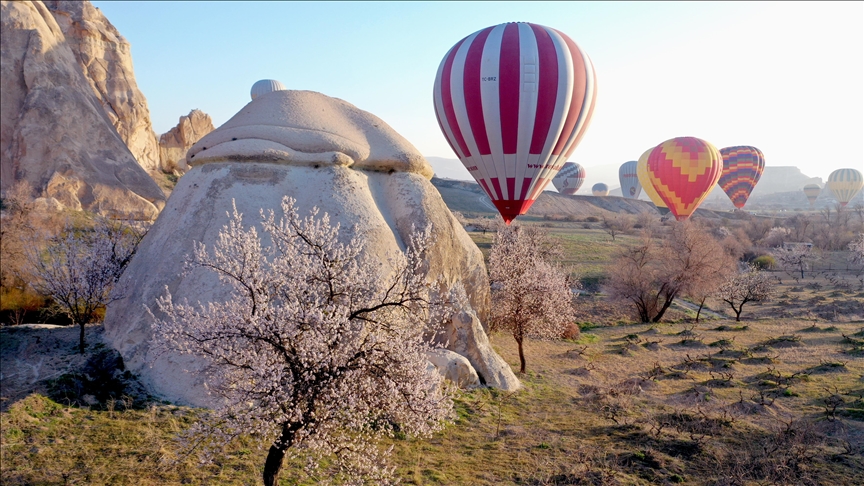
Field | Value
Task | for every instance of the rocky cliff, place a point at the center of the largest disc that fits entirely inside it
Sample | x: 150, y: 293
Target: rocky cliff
x: 54, y: 130
x: 105, y: 59
x: 174, y: 144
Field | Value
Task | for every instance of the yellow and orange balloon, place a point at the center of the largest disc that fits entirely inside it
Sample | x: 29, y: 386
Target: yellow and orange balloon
x: 645, y: 180
x: 683, y: 171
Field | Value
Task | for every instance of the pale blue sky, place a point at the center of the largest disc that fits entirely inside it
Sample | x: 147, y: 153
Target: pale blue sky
x: 787, y: 77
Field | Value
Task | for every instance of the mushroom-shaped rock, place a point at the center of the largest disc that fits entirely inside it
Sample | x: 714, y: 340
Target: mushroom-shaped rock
x: 324, y: 153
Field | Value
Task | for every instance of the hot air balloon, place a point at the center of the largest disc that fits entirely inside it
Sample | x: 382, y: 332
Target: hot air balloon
x: 683, y: 170
x: 845, y: 184
x: 569, y: 179
x: 513, y: 100
x: 645, y: 182
x: 600, y: 189
x: 630, y: 187
x: 742, y: 168
x: 812, y: 191
x: 265, y: 86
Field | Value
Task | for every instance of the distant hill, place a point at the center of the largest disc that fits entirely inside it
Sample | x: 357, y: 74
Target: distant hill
x: 779, y: 188
x: 469, y: 199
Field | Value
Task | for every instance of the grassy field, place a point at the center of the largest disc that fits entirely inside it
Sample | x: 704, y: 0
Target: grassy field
x: 775, y: 399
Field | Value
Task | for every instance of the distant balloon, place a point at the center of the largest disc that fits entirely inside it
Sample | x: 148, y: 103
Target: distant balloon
x: 514, y: 100
x: 845, y: 184
x: 569, y: 179
x: 600, y: 189
x: 742, y: 169
x: 683, y: 170
x: 627, y: 176
x: 645, y: 181
x: 265, y: 86
x: 812, y: 191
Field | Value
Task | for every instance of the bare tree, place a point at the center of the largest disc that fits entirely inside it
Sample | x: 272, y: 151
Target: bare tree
x: 751, y: 285
x: 647, y: 222
x: 17, y: 226
x: 531, y: 296
x: 314, y: 349
x: 79, y: 267
x: 857, y: 249
x: 794, y: 257
x: 652, y: 274
x: 616, y: 225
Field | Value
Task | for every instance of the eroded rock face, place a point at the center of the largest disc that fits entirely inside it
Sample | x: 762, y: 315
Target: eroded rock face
x: 54, y: 132
x: 324, y: 153
x: 454, y: 367
x: 105, y: 58
x: 174, y: 144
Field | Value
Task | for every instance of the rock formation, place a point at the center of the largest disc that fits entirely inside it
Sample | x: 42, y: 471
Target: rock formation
x: 105, y: 59
x: 325, y: 153
x: 174, y: 144
x: 54, y: 132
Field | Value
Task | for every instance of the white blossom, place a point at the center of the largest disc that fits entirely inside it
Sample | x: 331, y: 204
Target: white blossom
x: 315, y: 349
x: 531, y: 296
x: 751, y: 285
x: 79, y: 267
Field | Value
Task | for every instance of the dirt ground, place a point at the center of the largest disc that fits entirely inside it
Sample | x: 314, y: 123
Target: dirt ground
x: 32, y: 355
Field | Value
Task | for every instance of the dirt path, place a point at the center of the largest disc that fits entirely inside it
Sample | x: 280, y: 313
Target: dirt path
x: 706, y: 313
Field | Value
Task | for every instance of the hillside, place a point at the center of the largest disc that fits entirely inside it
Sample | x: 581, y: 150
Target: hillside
x: 469, y: 198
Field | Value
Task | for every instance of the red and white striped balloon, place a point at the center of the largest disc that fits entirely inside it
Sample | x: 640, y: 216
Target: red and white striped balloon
x: 513, y: 101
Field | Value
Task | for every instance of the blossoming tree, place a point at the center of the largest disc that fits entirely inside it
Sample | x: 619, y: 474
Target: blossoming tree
x: 750, y: 285
x: 314, y: 349
x: 531, y: 296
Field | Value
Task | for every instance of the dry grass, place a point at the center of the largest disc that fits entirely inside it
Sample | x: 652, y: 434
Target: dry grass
x: 629, y: 404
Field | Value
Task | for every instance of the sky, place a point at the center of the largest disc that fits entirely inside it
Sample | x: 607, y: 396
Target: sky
x: 787, y: 77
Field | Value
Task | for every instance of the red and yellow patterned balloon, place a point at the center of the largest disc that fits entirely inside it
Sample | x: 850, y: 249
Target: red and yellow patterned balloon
x: 683, y: 170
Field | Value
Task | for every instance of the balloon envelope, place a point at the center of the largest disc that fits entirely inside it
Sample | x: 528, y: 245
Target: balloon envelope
x: 265, y: 86
x: 513, y: 100
x: 645, y: 180
x: 630, y: 186
x: 742, y: 169
x: 844, y: 184
x: 812, y: 191
x: 569, y: 179
x: 683, y: 170
x: 600, y: 189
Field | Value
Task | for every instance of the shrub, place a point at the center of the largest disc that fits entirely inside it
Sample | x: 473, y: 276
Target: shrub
x: 764, y: 262
x: 571, y: 332
x: 592, y: 219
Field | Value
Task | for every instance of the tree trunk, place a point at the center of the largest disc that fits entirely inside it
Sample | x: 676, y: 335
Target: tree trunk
x: 738, y: 312
x: 700, y: 310
x: 521, y: 355
x: 663, y: 309
x: 81, y: 339
x: 276, y: 455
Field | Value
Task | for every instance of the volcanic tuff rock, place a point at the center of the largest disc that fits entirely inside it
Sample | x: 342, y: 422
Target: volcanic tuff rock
x: 54, y: 131
x: 324, y: 153
x: 105, y: 59
x: 174, y: 144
